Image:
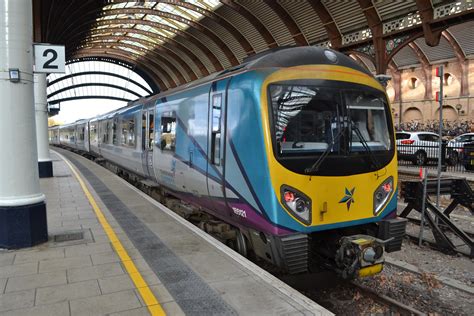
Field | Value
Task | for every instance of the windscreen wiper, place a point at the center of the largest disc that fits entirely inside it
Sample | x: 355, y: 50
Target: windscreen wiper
x: 362, y: 140
x: 317, y: 164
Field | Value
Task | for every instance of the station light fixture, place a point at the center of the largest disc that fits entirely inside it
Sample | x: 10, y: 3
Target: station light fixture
x: 14, y: 74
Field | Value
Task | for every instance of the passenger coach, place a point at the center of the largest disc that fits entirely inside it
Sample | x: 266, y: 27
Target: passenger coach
x: 294, y: 149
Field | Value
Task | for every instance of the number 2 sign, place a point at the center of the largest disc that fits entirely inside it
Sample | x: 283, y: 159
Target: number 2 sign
x: 49, y: 58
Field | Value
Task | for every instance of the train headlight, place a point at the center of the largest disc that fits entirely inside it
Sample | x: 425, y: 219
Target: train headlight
x: 382, y: 194
x: 297, y: 203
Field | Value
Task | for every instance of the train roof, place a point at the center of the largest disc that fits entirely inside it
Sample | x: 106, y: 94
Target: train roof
x: 276, y: 58
x: 273, y: 58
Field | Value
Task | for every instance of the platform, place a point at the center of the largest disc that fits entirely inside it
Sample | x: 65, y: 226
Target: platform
x: 166, y: 265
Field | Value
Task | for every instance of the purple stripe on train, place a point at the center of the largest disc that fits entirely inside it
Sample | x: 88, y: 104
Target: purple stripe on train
x: 242, y: 213
x: 250, y: 216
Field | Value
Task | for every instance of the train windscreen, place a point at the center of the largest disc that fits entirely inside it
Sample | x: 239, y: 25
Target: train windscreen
x: 329, y: 127
x: 312, y: 119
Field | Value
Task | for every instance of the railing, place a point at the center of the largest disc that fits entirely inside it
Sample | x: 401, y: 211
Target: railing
x: 455, y: 157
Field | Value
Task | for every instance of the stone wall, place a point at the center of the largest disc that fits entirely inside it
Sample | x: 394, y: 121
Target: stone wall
x: 414, y: 105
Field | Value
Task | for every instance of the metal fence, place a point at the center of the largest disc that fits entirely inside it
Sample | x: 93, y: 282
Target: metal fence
x: 455, y: 157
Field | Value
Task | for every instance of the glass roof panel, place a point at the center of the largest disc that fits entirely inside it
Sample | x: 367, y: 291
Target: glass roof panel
x: 154, y: 30
x: 186, y: 13
x: 131, y: 50
x: 134, y: 44
x: 112, y: 25
x: 165, y: 21
x: 119, y: 5
x: 146, y: 38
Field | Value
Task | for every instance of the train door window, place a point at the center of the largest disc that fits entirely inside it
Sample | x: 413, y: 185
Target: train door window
x: 124, y: 132
x: 168, y: 131
x: 110, y: 131
x: 143, y: 131
x: 151, y: 130
x: 93, y: 131
x: 131, y: 132
x: 216, y: 128
x: 81, y: 134
x: 105, y: 132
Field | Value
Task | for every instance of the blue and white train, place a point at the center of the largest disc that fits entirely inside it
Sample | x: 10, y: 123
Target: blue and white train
x: 294, y: 149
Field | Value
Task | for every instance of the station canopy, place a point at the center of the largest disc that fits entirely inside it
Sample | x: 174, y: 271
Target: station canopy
x: 169, y: 43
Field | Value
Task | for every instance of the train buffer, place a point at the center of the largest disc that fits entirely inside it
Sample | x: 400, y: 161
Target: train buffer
x: 445, y: 232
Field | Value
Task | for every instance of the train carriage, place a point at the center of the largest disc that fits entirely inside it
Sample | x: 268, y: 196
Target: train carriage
x: 82, y: 135
x: 294, y: 148
x: 53, y: 135
x: 67, y: 135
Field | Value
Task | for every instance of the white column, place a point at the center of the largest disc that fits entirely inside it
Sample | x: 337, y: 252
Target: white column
x: 22, y: 207
x: 45, y: 163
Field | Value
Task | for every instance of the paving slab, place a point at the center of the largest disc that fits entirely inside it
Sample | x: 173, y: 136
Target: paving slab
x: 38, y: 255
x: 105, y: 304
x: 6, y: 258
x: 116, y: 284
x: 94, y: 272
x: 12, y: 301
x: 88, y: 249
x: 60, y: 309
x: 3, y: 283
x: 34, y: 281
x: 19, y: 269
x: 67, y: 292
x: 64, y: 263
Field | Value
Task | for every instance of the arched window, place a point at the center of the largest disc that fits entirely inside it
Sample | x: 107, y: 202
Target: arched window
x: 414, y: 83
x: 448, y: 79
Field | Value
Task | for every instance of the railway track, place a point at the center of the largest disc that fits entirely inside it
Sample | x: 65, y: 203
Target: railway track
x: 394, y: 305
x: 343, y: 296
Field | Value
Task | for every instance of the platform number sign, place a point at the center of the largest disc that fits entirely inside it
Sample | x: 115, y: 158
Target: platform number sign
x: 49, y: 58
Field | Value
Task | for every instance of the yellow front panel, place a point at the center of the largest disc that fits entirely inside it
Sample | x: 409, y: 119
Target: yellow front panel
x: 326, y: 193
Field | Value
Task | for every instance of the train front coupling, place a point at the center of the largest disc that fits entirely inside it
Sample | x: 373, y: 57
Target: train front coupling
x: 359, y: 256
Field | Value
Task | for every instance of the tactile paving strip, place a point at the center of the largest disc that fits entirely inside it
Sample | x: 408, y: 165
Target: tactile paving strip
x: 190, y: 292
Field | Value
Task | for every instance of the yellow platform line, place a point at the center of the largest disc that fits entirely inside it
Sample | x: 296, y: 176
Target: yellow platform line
x: 154, y: 307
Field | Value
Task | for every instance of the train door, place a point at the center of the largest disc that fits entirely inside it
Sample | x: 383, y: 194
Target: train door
x: 87, y: 141
x: 148, y: 140
x: 216, y: 152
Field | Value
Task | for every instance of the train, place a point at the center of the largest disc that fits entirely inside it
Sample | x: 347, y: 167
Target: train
x: 293, y: 150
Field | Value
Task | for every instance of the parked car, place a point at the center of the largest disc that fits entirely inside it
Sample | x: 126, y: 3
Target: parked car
x: 417, y: 147
x: 455, y: 147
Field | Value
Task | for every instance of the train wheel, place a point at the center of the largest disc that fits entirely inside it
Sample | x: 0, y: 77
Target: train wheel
x: 241, y: 244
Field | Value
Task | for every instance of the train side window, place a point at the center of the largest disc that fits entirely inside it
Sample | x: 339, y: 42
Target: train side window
x: 127, y: 126
x: 216, y: 128
x: 168, y: 131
